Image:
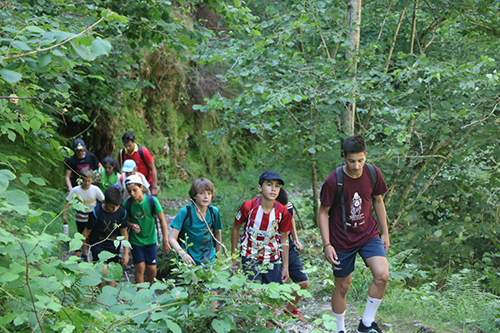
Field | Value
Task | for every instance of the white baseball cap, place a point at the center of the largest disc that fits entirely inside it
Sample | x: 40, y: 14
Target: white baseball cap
x: 129, y: 166
x: 133, y: 179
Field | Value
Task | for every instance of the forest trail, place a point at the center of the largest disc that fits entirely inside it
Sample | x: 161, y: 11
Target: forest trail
x: 312, y: 307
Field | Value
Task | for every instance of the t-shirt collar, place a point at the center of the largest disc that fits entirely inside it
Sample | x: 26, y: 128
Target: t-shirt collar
x: 136, y: 149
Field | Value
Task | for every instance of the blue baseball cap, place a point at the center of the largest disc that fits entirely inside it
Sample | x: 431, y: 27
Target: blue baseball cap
x: 79, y: 144
x: 270, y: 175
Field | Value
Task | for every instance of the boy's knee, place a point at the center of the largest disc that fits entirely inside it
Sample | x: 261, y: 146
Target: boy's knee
x: 304, y: 285
x: 381, y: 278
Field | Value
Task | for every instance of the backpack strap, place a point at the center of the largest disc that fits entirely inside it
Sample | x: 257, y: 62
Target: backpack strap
x: 141, y: 154
x: 152, y: 206
x: 339, y: 196
x: 372, y: 172
x: 121, y: 156
x: 128, y: 206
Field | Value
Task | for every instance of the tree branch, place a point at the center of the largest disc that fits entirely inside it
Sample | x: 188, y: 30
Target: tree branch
x: 430, y: 30
x: 394, y: 40
x: 56, y: 45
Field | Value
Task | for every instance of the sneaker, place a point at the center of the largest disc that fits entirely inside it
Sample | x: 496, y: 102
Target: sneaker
x: 296, y: 314
x: 372, y: 329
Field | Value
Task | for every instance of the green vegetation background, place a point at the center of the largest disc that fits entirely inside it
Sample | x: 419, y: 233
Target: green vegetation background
x: 227, y: 89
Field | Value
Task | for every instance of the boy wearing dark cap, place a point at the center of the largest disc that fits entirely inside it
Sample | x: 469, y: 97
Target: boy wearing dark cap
x: 264, y: 243
x: 80, y: 160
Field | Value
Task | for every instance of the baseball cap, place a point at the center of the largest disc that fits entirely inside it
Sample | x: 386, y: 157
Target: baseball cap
x: 128, y: 166
x: 79, y: 144
x: 133, y: 179
x: 270, y: 175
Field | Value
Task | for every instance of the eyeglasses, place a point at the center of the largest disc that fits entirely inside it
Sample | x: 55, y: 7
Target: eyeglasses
x: 80, y: 150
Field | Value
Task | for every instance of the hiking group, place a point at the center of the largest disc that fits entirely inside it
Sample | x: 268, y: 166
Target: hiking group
x: 268, y: 247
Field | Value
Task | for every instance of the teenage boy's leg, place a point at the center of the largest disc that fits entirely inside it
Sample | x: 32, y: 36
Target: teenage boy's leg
x: 139, y: 263
x: 375, y: 258
x: 273, y: 273
x: 151, y: 261
x: 251, y: 267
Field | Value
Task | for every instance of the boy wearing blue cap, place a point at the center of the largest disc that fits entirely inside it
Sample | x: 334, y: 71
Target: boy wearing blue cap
x: 265, y: 234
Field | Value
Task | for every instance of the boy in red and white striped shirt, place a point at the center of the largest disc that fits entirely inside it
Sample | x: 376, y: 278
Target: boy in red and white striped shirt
x: 264, y: 243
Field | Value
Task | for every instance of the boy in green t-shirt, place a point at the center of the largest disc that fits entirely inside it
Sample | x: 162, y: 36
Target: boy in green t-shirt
x: 142, y: 224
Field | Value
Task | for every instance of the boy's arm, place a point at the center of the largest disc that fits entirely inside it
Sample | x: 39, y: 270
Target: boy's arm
x: 125, y: 258
x: 67, y: 178
x: 86, y: 232
x: 172, y: 238
x: 295, y: 237
x: 235, y: 236
x: 154, y: 175
x: 164, y: 231
x: 284, y: 256
x: 379, y: 207
x: 324, y: 229
x: 218, y: 237
x: 65, y: 211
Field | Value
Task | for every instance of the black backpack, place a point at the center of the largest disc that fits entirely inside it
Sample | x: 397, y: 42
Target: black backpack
x: 339, y: 192
x: 189, y: 215
x: 121, y: 156
x: 152, y: 206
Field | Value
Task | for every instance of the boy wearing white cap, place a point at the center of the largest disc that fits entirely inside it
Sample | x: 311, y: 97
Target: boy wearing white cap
x: 141, y: 211
x: 130, y: 168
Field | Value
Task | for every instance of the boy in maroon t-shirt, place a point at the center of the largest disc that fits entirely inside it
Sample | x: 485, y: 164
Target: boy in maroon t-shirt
x: 360, y: 234
x: 265, y: 235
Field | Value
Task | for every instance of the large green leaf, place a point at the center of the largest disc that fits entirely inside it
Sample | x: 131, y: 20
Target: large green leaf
x: 20, y: 46
x: 10, y: 76
x: 100, y: 46
x: 5, y: 176
x: 17, y: 198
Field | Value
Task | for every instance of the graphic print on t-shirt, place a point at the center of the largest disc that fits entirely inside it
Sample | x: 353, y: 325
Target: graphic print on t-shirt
x: 357, y: 216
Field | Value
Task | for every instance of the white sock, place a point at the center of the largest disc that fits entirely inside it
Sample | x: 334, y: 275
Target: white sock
x: 339, y: 320
x: 370, y: 311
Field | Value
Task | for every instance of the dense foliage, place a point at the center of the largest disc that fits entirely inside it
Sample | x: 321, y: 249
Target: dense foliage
x: 213, y: 87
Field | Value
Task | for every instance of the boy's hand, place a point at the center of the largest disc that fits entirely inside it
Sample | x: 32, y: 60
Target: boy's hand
x: 187, y: 259
x: 166, y: 245
x: 235, y: 264
x: 65, y: 220
x: 298, y: 245
x: 136, y: 228
x: 285, y: 275
x: 124, y: 260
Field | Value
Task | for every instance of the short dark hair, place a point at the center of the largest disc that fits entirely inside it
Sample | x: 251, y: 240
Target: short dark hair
x: 111, y: 161
x: 353, y: 144
x: 201, y: 184
x: 282, y: 197
x: 127, y: 137
x: 113, y: 196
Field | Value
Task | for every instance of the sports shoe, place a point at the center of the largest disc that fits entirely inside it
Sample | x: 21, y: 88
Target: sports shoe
x: 372, y: 329
x: 296, y: 314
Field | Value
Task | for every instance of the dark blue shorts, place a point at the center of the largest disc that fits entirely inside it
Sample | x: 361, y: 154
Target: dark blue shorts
x: 257, y: 271
x: 96, y: 249
x: 295, y: 267
x: 144, y: 254
x: 374, y: 248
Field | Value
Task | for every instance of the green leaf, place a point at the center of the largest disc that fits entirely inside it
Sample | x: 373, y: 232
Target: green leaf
x: 38, y: 181
x: 105, y: 255
x: 17, y: 198
x: 35, y: 124
x: 221, y: 326
x: 75, y: 244
x: 82, y: 51
x: 8, y: 277
x: 10, y: 76
x: 5, y: 176
x: 20, y: 46
x: 100, y: 46
x: 92, y: 278
x: 44, y: 60
x: 35, y: 29
x: 173, y: 326
x: 438, y: 233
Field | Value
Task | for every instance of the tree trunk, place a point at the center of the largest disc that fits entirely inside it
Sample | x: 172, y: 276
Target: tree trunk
x: 353, y: 22
x: 315, y: 192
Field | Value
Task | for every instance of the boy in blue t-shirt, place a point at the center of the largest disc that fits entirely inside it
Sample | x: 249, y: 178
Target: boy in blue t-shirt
x: 197, y: 224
